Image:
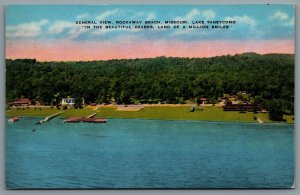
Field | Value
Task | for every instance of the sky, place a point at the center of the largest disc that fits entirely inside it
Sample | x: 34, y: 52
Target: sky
x: 50, y: 32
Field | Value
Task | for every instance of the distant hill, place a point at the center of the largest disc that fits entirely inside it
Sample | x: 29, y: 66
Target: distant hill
x: 249, y: 54
x: 174, y: 80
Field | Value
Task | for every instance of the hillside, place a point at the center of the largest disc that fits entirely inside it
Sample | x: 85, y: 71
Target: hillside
x: 162, y: 79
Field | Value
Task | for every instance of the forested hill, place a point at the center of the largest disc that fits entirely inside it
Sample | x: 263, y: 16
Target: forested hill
x: 173, y: 80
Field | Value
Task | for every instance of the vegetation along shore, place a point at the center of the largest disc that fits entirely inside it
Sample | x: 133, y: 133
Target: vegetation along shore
x: 240, y: 88
x: 151, y: 112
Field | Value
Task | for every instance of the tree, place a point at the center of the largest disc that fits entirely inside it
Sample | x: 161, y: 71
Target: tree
x: 199, y: 101
x: 160, y: 79
x: 78, y: 103
x: 275, y: 110
x: 256, y: 102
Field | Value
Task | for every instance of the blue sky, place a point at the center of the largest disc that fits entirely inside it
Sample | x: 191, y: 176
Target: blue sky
x: 49, y: 32
x: 253, y: 21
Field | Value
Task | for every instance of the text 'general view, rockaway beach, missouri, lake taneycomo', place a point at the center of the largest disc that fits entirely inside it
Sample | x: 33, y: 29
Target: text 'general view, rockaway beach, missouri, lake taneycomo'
x: 150, y: 96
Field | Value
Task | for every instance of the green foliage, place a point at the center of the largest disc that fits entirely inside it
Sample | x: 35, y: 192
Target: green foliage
x: 162, y: 113
x: 199, y: 101
x: 165, y: 80
x: 78, y: 103
x: 275, y: 110
x: 212, y: 100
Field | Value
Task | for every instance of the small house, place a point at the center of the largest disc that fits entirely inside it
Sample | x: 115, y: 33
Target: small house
x: 68, y: 101
x: 21, y: 102
x: 204, y: 100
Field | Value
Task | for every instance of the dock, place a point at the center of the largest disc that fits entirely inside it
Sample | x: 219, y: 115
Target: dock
x: 88, y: 119
x: 85, y: 120
x: 92, y: 115
x: 48, y: 118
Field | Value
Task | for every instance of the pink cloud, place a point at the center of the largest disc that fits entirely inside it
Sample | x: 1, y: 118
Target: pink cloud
x: 58, y: 50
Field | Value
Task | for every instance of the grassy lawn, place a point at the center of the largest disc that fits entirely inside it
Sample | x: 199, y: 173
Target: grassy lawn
x: 47, y: 111
x: 265, y: 118
x: 77, y: 112
x: 163, y: 113
x: 179, y: 113
x: 43, y: 112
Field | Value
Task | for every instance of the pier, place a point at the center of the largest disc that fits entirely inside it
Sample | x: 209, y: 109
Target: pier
x: 85, y: 120
x: 92, y: 115
x: 88, y: 119
x: 48, y: 118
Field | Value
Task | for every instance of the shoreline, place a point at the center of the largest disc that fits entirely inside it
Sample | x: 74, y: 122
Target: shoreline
x: 166, y: 112
x: 210, y: 121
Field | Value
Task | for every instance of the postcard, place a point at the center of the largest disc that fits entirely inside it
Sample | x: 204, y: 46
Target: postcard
x: 150, y: 96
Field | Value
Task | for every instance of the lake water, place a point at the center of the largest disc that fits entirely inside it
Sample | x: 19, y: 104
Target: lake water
x: 133, y: 153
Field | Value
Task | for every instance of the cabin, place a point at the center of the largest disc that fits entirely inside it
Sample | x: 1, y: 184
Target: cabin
x: 69, y: 101
x: 204, y: 100
x: 21, y: 102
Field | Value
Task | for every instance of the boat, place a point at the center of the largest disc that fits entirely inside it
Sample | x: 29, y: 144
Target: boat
x: 14, y: 119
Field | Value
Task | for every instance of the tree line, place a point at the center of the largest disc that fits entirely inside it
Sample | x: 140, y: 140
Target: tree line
x: 269, y: 79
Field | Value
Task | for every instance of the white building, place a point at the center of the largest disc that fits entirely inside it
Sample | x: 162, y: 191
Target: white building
x: 68, y: 101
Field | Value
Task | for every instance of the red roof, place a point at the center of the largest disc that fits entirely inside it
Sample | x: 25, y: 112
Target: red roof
x: 22, y: 101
